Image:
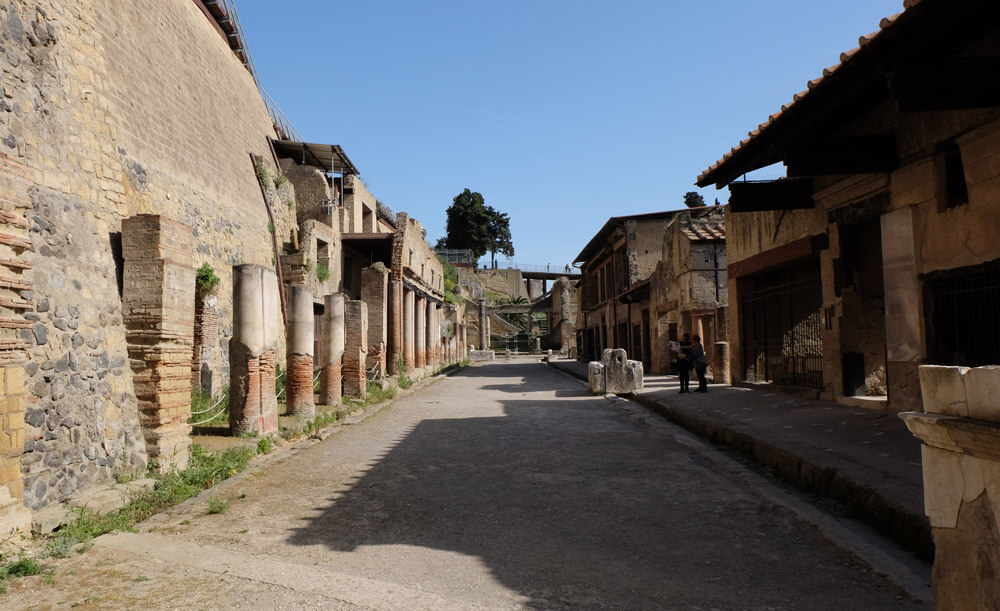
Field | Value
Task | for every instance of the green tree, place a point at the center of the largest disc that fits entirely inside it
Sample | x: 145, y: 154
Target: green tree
x: 477, y: 227
x: 692, y: 199
x: 468, y: 224
x: 499, y: 232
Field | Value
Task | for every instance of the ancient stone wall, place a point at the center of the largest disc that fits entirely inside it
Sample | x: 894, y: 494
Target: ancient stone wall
x: 93, y: 112
x: 158, y: 313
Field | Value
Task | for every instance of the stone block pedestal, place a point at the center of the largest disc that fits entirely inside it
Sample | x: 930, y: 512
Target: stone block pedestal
x: 960, y: 430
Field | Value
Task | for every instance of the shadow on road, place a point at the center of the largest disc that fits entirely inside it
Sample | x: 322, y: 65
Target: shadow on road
x: 573, y: 504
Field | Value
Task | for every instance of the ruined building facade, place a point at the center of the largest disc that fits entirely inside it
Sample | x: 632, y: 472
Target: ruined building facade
x: 878, y: 252
x: 135, y: 148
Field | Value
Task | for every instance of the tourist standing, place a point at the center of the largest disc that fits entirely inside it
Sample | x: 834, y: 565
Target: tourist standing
x: 683, y: 363
x: 700, y: 362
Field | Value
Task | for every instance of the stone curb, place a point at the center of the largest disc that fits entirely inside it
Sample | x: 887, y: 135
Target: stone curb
x: 908, y: 529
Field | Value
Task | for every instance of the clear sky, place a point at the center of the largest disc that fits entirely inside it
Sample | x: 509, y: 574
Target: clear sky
x: 562, y: 113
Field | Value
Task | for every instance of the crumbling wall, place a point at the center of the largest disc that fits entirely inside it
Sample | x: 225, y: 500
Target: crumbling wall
x: 108, y: 122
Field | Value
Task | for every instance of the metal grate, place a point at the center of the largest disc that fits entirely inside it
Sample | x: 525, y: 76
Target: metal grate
x: 964, y: 320
x: 781, y: 326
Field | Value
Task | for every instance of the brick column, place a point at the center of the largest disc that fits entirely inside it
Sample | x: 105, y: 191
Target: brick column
x: 408, y: 333
x: 420, y: 334
x: 433, y: 335
x: 253, y: 405
x: 374, y: 292
x: 158, y: 312
x: 333, y: 350
x: 299, y: 366
x: 394, y: 321
x: 13, y: 513
x: 483, y: 320
x: 206, y: 336
x: 15, y: 300
x: 355, y: 348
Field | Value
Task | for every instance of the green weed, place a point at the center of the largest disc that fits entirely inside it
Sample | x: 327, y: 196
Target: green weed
x: 217, y: 505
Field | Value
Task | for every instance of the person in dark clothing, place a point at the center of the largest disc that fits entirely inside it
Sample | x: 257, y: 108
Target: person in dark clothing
x: 683, y: 364
x: 700, y: 362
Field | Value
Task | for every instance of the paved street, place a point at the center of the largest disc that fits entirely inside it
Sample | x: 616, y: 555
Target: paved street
x: 502, y: 486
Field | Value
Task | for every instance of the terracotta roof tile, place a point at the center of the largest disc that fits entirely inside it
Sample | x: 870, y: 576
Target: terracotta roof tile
x: 699, y: 231
x: 844, y: 58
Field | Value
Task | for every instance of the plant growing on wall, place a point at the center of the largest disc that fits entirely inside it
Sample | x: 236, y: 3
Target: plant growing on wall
x: 322, y: 272
x: 280, y: 179
x: 308, y: 265
x: 206, y: 279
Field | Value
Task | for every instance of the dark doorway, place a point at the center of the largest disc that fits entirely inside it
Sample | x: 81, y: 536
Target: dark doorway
x: 781, y: 325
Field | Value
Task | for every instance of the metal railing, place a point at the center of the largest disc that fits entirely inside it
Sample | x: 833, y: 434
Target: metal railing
x: 550, y: 268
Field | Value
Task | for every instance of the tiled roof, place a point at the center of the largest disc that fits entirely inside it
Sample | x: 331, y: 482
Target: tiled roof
x: 704, y: 231
x: 845, y: 60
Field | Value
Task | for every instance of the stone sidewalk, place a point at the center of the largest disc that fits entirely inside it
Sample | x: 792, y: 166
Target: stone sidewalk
x: 865, y: 460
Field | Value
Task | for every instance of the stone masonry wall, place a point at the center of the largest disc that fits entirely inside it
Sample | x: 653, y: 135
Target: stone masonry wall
x: 92, y: 109
x: 960, y: 430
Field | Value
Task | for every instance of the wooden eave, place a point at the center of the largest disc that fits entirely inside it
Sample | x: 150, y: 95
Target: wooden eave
x: 924, y: 33
x: 759, y: 196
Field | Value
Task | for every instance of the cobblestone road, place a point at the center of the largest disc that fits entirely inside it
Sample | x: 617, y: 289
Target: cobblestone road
x: 502, y: 486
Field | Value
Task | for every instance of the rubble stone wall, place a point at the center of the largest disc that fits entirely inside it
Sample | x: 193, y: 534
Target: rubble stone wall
x: 93, y: 112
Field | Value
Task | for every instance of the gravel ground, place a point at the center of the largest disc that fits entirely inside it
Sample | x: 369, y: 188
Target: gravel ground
x: 502, y: 486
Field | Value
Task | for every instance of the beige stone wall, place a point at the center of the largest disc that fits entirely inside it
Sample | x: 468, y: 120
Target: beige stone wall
x: 644, y: 243
x: 960, y: 429
x: 507, y: 282
x: 122, y: 108
x: 358, y: 214
x: 419, y: 261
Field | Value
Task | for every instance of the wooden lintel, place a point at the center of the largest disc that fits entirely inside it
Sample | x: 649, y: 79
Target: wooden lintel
x: 780, y: 255
x: 953, y: 84
x: 758, y: 196
x: 843, y: 155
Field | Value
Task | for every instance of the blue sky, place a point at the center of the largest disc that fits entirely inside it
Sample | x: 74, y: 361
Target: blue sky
x: 561, y: 113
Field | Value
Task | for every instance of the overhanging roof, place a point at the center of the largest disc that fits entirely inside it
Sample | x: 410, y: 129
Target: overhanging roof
x: 327, y: 157
x: 925, y: 29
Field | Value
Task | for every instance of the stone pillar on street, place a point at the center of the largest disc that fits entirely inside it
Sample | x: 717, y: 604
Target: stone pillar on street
x: 960, y: 430
x: 299, y: 358
x: 355, y: 349
x: 374, y: 292
x: 332, y: 344
x: 483, y: 323
x: 158, y: 312
x: 253, y: 405
x: 408, y: 332
x: 433, y: 335
x: 394, y: 320
x: 420, y: 334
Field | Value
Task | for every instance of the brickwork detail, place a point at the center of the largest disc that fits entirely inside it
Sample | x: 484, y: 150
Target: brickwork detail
x: 299, y: 385
x: 409, y: 300
x: 253, y: 404
x: 355, y: 349
x: 206, y: 335
x: 158, y: 308
x: 395, y: 325
x: 420, y: 334
x: 374, y: 292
